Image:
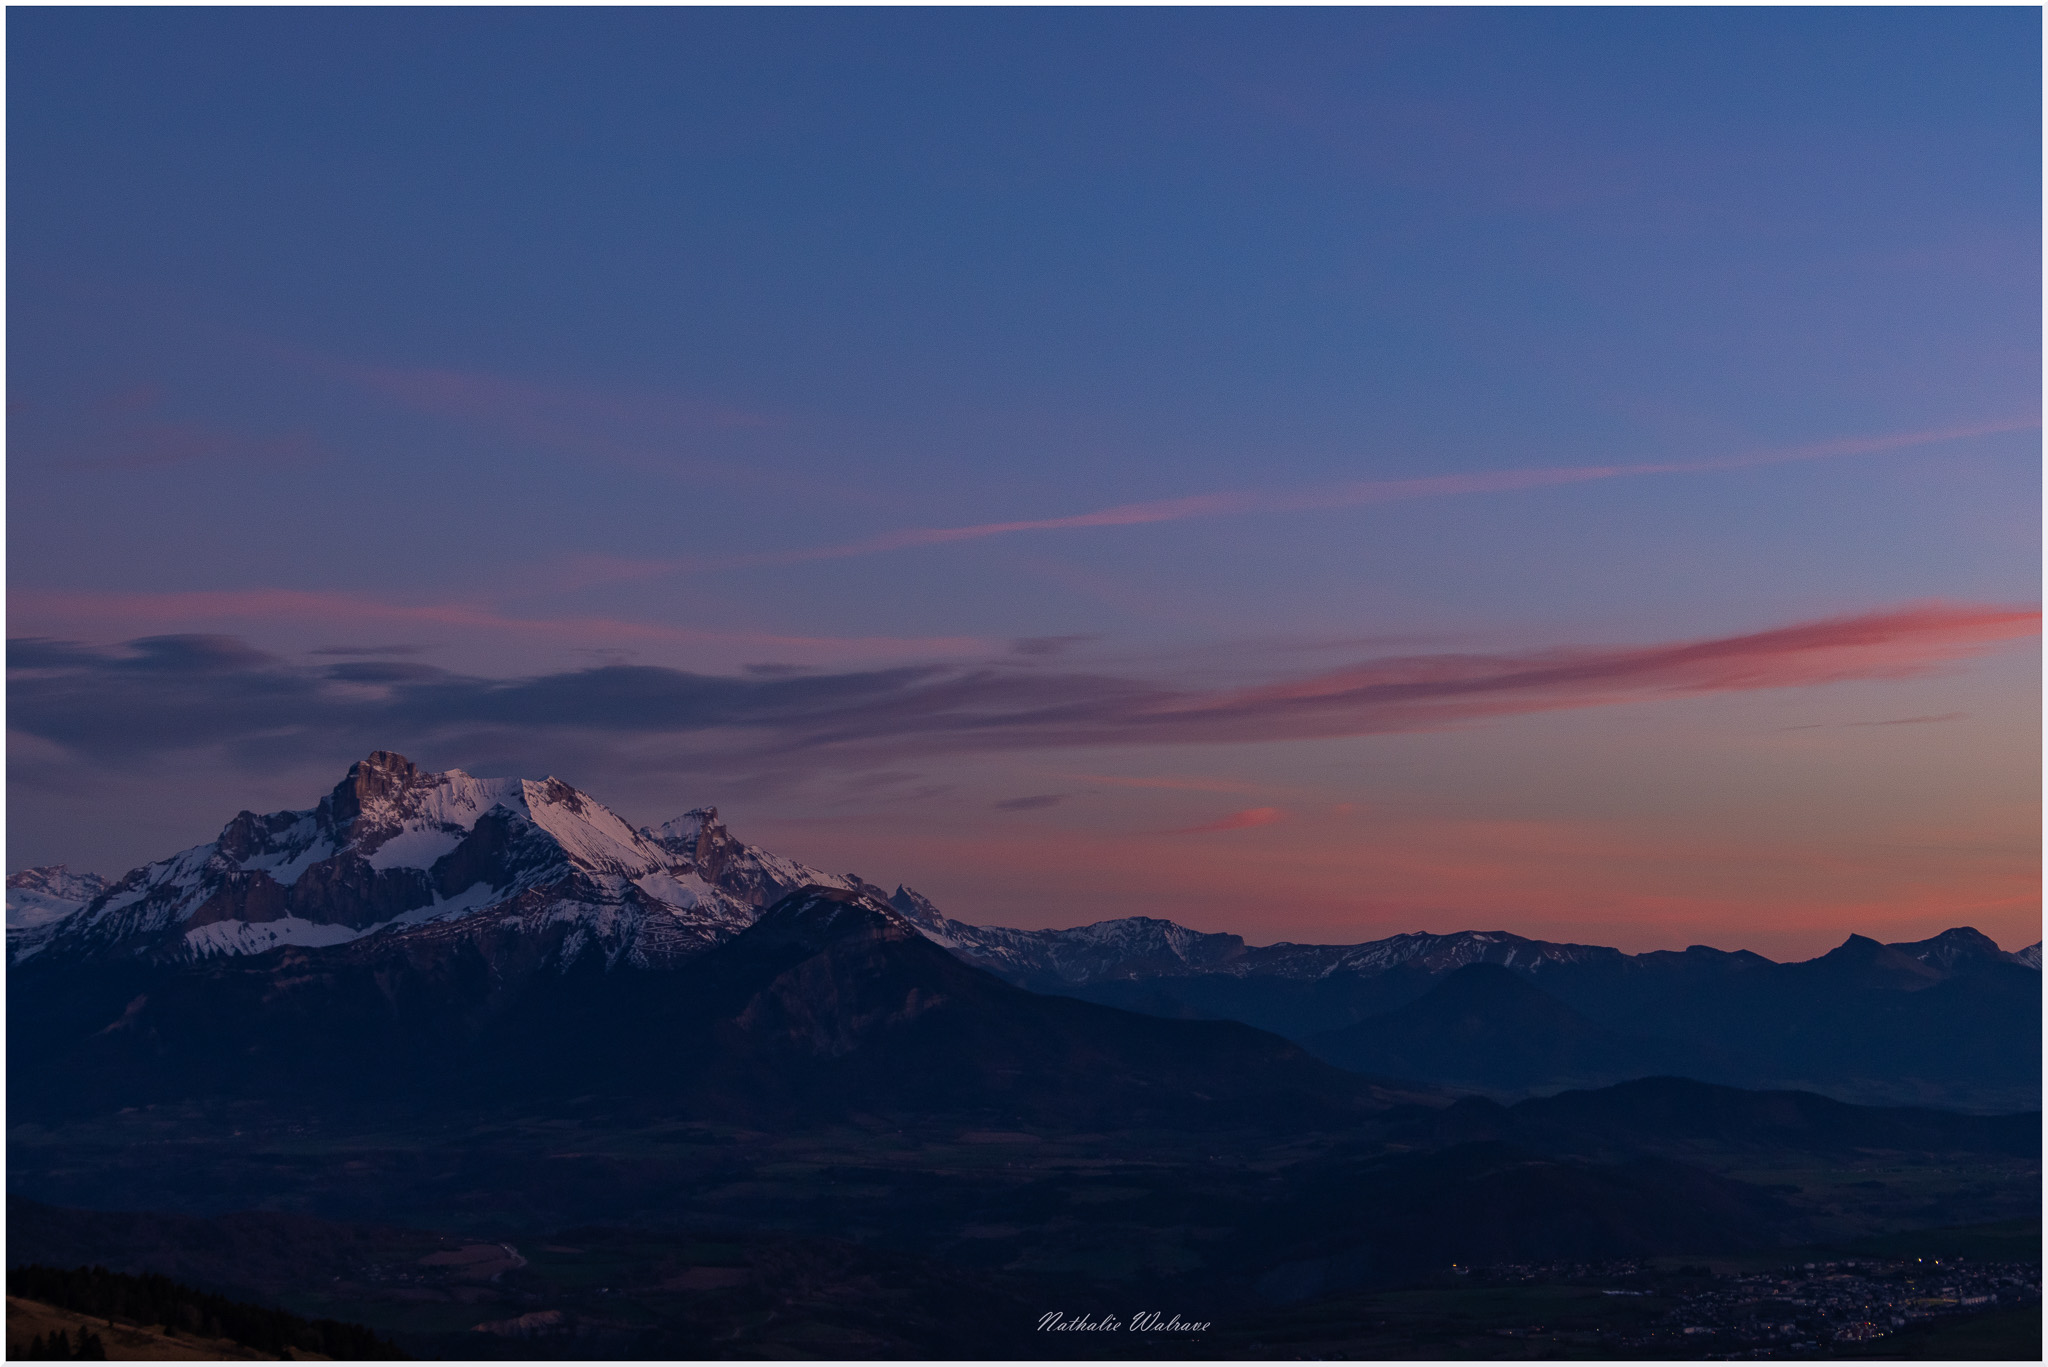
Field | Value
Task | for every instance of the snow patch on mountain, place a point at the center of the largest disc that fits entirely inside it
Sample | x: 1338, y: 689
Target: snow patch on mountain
x: 416, y: 848
x: 679, y: 893
x: 474, y: 898
x: 246, y: 937
x: 590, y: 833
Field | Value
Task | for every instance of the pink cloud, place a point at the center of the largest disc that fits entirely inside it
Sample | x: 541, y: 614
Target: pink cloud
x: 1176, y: 784
x: 861, y: 717
x: 1416, y: 692
x: 1236, y: 821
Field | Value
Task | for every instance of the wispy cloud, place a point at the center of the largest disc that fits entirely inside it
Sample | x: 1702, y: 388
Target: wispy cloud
x: 401, y: 649
x: 1171, y: 784
x: 48, y: 610
x: 1364, y: 492
x: 1889, y: 721
x: 1237, y: 821
x: 170, y: 692
x: 1030, y: 804
x: 1042, y: 647
x: 1351, y: 494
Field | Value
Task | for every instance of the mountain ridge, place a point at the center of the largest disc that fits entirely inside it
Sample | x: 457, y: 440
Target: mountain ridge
x: 460, y: 890
x: 393, y: 847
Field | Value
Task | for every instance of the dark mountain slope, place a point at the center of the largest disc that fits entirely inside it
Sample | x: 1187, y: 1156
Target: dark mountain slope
x: 1487, y: 1026
x: 1298, y: 1008
x: 1950, y: 1021
x: 375, y: 1021
x: 830, y: 1004
x: 1866, y: 1022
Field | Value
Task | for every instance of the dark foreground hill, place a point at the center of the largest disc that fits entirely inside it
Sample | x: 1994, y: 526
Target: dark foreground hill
x: 150, y: 1299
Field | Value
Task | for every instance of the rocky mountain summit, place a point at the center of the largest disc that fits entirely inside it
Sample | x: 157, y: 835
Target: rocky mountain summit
x: 397, y: 851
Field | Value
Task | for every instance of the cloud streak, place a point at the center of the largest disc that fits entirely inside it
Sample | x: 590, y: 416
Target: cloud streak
x: 1363, y: 493
x: 1246, y: 820
x: 1030, y: 804
x: 155, y: 613
x: 168, y: 693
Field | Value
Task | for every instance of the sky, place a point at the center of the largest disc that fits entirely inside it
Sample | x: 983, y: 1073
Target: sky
x: 1317, y: 474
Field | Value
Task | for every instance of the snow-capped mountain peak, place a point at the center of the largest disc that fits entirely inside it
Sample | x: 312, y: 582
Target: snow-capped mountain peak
x: 398, y: 850
x: 391, y: 814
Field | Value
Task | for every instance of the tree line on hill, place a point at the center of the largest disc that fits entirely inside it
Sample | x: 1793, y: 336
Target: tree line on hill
x: 151, y: 1299
x: 57, y: 1348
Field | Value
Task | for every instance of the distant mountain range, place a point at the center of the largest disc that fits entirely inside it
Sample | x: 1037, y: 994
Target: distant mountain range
x: 442, y: 906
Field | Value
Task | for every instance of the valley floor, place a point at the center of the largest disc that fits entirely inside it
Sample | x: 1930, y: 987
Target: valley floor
x: 573, y: 1237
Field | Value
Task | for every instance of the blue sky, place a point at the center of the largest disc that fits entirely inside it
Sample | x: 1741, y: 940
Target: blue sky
x: 527, y: 345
